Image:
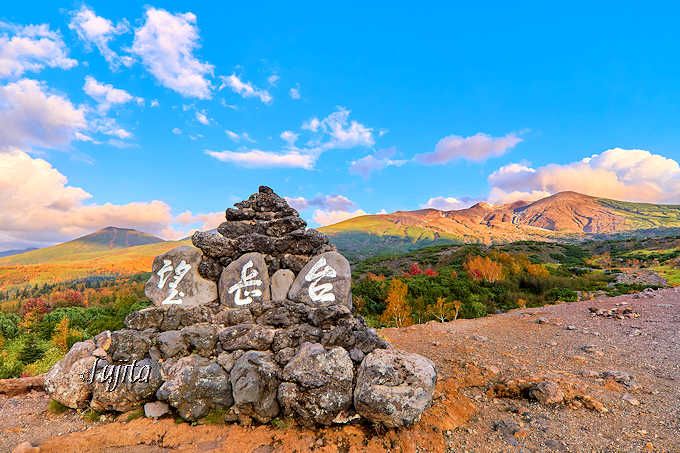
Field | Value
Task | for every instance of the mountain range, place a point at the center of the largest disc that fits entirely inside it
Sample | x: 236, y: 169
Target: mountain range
x: 563, y: 216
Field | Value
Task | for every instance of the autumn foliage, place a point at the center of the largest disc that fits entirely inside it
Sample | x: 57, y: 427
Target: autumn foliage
x: 483, y: 268
x: 397, y: 312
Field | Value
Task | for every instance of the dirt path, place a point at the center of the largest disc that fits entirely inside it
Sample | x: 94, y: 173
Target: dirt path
x: 564, y: 344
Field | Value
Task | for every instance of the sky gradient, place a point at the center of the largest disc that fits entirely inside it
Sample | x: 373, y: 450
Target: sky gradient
x: 158, y: 117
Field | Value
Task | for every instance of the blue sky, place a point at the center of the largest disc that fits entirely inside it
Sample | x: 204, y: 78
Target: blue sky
x: 160, y: 116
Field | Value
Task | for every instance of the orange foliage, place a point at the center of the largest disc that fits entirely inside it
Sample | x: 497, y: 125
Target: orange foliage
x: 483, y: 268
x: 60, y: 335
x: 375, y: 278
x: 397, y: 311
x: 442, y: 310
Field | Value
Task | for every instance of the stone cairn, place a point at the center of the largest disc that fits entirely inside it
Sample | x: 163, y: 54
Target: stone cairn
x: 254, y: 323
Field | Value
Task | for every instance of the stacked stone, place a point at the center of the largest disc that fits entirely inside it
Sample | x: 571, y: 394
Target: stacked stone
x: 266, y: 224
x: 275, y: 336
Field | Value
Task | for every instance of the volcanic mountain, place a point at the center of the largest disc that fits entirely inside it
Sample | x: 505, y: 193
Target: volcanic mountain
x: 565, y: 215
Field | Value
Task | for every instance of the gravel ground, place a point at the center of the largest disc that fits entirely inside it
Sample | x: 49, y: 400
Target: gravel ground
x: 562, y: 343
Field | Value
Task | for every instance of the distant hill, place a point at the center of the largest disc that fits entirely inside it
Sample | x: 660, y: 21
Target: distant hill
x: 110, y: 251
x: 85, y: 247
x: 15, y: 252
x: 565, y: 215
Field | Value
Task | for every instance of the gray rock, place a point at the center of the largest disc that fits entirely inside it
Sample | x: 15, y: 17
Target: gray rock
x: 124, y: 387
x: 282, y: 313
x: 318, y: 384
x: 228, y: 359
x: 68, y: 380
x: 246, y: 336
x: 255, y: 379
x: 211, y: 268
x: 245, y: 282
x: 393, y: 388
x: 294, y: 336
x: 195, y: 386
x: 201, y: 338
x: 172, y: 344
x: 282, y: 280
x: 233, y: 316
x: 175, y: 279
x: 325, y: 279
x: 147, y: 318
x: 156, y: 409
x: 546, y: 392
x: 213, y: 245
x: 128, y: 345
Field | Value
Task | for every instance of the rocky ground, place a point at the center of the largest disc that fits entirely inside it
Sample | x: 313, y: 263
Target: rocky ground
x: 557, y: 378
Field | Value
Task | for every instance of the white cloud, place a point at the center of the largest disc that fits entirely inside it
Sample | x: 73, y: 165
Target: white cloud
x: 289, y: 137
x: 166, y: 44
x: 106, y: 95
x: 477, y: 147
x: 624, y: 174
x: 236, y: 137
x: 245, y: 89
x: 31, y: 116
x: 335, y: 131
x: 202, y: 118
x: 256, y: 158
x: 324, y: 202
x: 273, y: 79
x: 155, y: 103
x: 375, y: 162
x: 206, y: 221
x: 109, y: 126
x: 445, y: 203
x: 294, y: 93
x: 324, y: 218
x: 176, y: 130
x: 340, y: 131
x: 38, y: 206
x: 232, y: 135
x: 31, y: 48
x: 99, y: 31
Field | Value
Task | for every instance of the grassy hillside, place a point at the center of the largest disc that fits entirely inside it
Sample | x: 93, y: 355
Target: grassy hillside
x: 74, y: 260
x: 641, y: 216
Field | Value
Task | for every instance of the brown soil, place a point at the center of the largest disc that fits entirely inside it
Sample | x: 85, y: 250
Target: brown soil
x: 475, y: 358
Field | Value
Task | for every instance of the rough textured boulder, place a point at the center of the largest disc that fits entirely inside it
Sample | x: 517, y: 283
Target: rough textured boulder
x: 245, y: 281
x: 318, y: 385
x: 175, y: 279
x: 276, y: 336
x: 394, y: 387
x: 255, y: 379
x: 325, y: 279
x: 195, y: 386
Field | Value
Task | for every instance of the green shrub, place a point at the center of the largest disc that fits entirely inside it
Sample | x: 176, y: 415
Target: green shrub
x: 9, y: 325
x: 562, y: 294
x: 55, y: 407
x: 32, y: 350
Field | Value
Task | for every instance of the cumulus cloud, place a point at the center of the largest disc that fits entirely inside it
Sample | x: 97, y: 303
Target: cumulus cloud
x: 478, y: 147
x: 446, y: 203
x: 625, y: 174
x: 31, y: 116
x: 98, y: 31
x: 206, y: 221
x: 245, y: 89
x: 375, y: 162
x: 110, y: 127
x: 202, y: 118
x: 324, y: 218
x: 38, y: 206
x: 106, y: 95
x: 339, y: 132
x: 256, y: 158
x: 237, y: 137
x: 31, y: 48
x: 273, y: 79
x: 335, y: 131
x: 166, y: 44
x: 294, y: 93
x: 325, y: 202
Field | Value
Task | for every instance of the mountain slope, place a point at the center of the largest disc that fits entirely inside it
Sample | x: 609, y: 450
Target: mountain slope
x: 561, y: 216
x: 85, y: 247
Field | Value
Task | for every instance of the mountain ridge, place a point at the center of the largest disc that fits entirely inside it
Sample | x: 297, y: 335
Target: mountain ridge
x: 562, y: 216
